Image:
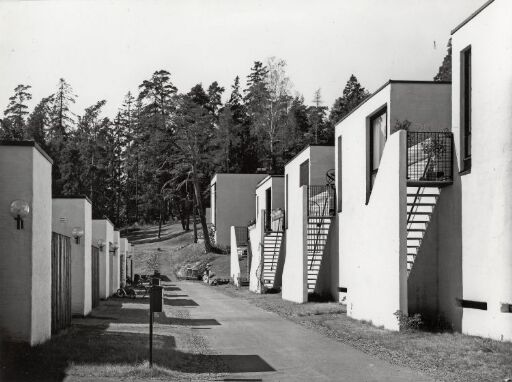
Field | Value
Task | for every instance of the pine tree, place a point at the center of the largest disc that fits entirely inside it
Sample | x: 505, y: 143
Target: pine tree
x: 353, y: 95
x: 39, y: 121
x: 13, y: 125
x: 445, y: 70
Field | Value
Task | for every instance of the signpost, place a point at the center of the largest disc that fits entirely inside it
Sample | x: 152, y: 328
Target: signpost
x: 155, y: 306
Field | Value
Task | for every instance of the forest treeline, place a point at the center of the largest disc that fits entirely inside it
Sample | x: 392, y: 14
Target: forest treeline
x: 138, y: 165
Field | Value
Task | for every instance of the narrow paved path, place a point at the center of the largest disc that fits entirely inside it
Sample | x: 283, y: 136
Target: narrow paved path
x: 259, y: 345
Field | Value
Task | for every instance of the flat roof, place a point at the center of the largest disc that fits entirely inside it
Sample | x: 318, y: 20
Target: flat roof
x: 472, y: 16
x: 389, y: 82
x: 73, y: 197
x: 236, y: 173
x: 304, y: 149
x: 107, y: 219
x: 267, y: 178
x: 27, y: 144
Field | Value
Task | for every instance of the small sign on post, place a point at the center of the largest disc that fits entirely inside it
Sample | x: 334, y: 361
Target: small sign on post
x: 155, y: 305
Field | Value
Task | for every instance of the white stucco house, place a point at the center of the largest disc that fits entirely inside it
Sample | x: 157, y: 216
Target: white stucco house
x: 76, y: 213
x: 267, y: 247
x: 115, y: 270
x: 124, y: 248
x: 310, y: 264
x: 25, y: 249
x: 398, y: 206
x: 103, y: 238
x: 482, y: 127
x: 232, y: 203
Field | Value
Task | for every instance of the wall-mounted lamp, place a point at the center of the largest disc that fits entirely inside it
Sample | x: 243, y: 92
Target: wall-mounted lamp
x: 19, y: 209
x: 101, y: 244
x: 77, y: 233
x: 113, y: 248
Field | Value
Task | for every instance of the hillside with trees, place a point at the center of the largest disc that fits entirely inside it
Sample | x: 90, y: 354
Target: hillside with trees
x: 164, y: 144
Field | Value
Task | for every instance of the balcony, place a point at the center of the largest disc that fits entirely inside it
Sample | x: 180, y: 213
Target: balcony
x: 429, y: 159
x: 273, y: 220
x: 321, y: 201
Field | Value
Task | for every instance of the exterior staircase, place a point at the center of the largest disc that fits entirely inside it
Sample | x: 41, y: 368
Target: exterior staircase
x: 271, y: 248
x: 317, y: 233
x: 421, y: 202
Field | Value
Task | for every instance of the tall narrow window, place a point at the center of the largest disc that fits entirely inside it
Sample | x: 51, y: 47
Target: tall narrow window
x: 338, y: 175
x: 213, y: 203
x: 286, y: 211
x: 304, y: 173
x: 465, y: 113
x: 378, y: 136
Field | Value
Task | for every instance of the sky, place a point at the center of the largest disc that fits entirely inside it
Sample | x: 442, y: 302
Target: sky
x: 106, y: 48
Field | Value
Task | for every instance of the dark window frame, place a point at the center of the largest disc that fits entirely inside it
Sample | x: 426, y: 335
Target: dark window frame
x: 286, y: 200
x: 303, y: 175
x: 339, y: 172
x: 465, y: 107
x: 372, y: 117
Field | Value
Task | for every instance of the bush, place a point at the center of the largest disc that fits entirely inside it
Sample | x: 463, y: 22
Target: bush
x: 406, y: 322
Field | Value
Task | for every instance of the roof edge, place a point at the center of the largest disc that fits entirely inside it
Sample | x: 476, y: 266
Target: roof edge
x: 471, y: 17
x: 73, y: 197
x: 389, y: 82
x: 27, y: 144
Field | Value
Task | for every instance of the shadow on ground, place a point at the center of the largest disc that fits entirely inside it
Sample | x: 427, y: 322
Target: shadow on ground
x: 115, y: 335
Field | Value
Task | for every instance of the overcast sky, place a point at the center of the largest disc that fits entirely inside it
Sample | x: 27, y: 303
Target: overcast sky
x: 106, y: 48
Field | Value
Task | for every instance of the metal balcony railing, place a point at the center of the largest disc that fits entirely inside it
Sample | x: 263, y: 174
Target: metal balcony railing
x: 429, y: 158
x: 242, y: 235
x: 321, y: 201
x: 273, y: 221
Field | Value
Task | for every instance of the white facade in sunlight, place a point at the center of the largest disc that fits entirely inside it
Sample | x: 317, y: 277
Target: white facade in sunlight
x: 232, y: 203
x: 372, y: 207
x: 115, y: 262
x: 103, y: 229
x: 25, y: 254
x: 269, y: 196
x: 309, y: 168
x: 482, y: 123
x: 69, y: 213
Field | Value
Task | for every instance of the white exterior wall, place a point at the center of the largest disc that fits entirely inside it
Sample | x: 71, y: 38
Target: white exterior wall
x: 234, y: 271
x: 123, y: 249
x: 25, y: 255
x: 115, y: 265
x: 372, y: 237
x: 321, y: 160
x: 104, y: 230
x: 233, y: 203
x: 486, y: 191
x: 255, y: 270
x: 276, y: 183
x: 77, y: 212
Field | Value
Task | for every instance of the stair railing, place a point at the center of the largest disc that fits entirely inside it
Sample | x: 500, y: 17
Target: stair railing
x: 319, y: 225
x: 280, y: 221
x: 410, y: 214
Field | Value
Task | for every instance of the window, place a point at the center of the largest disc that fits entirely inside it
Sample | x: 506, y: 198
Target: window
x: 213, y: 203
x: 338, y: 175
x: 286, y: 200
x: 304, y: 173
x: 465, y: 112
x: 378, y: 136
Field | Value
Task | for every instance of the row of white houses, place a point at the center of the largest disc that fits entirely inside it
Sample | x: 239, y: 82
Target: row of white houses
x: 55, y: 260
x: 410, y: 211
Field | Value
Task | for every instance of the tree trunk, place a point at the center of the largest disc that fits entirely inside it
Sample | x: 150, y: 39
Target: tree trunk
x: 194, y: 218
x: 160, y: 204
x: 197, y: 188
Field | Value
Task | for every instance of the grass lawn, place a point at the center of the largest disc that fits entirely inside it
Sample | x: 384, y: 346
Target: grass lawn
x: 112, y: 343
x: 444, y: 356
